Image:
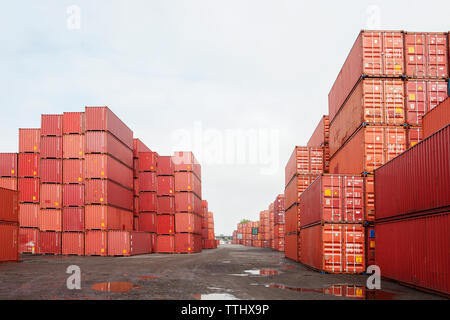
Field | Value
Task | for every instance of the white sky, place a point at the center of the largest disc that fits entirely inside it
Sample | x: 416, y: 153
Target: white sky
x: 162, y: 66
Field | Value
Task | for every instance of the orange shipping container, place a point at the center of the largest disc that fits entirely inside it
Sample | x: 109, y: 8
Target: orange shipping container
x: 73, y: 171
x: 9, y: 242
x: 29, y: 215
x: 51, y: 196
x: 96, y: 243
x: 73, y: 243
x: 304, y: 160
x: 437, y: 118
x: 29, y: 190
x: 28, y: 165
x: 291, y: 247
x: 98, y: 217
x: 29, y: 240
x: 50, y: 220
x: 8, y: 183
x: 102, y: 166
x: 29, y: 140
x: 295, y: 188
x: 73, y: 146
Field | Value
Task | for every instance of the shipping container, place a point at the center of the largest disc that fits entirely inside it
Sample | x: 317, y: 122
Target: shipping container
x: 29, y: 215
x: 8, y: 183
x: 415, y: 251
x: 108, y: 193
x: 165, y: 224
x: 8, y: 164
x: 73, y: 123
x: 279, y: 210
x: 370, y: 245
x: 295, y: 188
x: 304, y: 160
x: 9, y: 205
x: 414, y: 136
x: 99, y: 217
x: 9, y: 241
x: 165, y: 244
x: 333, y: 248
x: 29, y: 140
x: 321, y: 133
x: 292, y: 219
x: 369, y: 195
x: 166, y: 205
x: 139, y: 147
x: 74, y: 146
x: 188, y: 243
x: 51, y: 147
x: 166, y: 185
x: 374, y: 54
x: 50, y: 242
x: 73, y: 171
x: 73, y: 243
x: 105, y: 143
x: 147, y: 161
x: 96, y: 243
x: 51, y: 125
x: 102, y: 166
x: 73, y: 195
x: 165, y: 166
x: 28, y: 165
x: 188, y: 182
x: 372, y: 102
x: 29, y: 240
x: 186, y: 161
x: 369, y: 148
x: 437, y: 118
x: 51, y: 196
x: 416, y: 181
x: 73, y: 219
x: 51, y: 171
x: 187, y: 202
x: 29, y: 190
x: 50, y: 220
x: 187, y: 223
x: 291, y: 248
x: 147, y: 182
x: 129, y: 243
x: 147, y: 222
x: 148, y: 202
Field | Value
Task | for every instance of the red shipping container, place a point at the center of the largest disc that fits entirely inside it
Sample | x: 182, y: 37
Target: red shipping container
x: 292, y: 219
x: 166, y: 185
x: 8, y: 183
x: 373, y: 101
x: 51, y: 125
x: 369, y: 195
x: 147, y: 161
x: 51, y: 171
x: 9, y: 241
x: 73, y: 171
x: 333, y: 248
x: 28, y: 165
x: 188, y: 243
x: 204, y: 233
x: 147, y: 181
x: 51, y: 147
x: 333, y: 198
x: 107, y: 218
x: 103, y: 119
x: 437, y: 118
x: 187, y: 202
x: 50, y: 220
x: 8, y: 164
x: 375, y: 53
x: 147, y: 222
x: 304, y: 160
x: 415, y: 251
x: 129, y: 243
x: 138, y: 147
x: 29, y: 240
x: 426, y: 55
x: 29, y: 140
x: 136, y: 224
x: 295, y: 188
x: 9, y: 205
x: 187, y: 223
x: 165, y: 244
x: 29, y: 215
x: 96, y: 243
x: 102, y: 166
x: 186, y: 161
x: 414, y: 136
x: 369, y: 148
x: 291, y: 248
x: 29, y: 190
x: 321, y: 133
x: 108, y: 193
x: 73, y: 195
x: 165, y: 224
x: 166, y: 205
x: 416, y: 181
x: 51, y: 196
x: 73, y: 243
x: 279, y: 210
x: 73, y: 122
x: 148, y: 202
x: 188, y: 182
x: 73, y: 219
x: 165, y: 166
x: 106, y: 143
x: 50, y: 242
x: 74, y: 146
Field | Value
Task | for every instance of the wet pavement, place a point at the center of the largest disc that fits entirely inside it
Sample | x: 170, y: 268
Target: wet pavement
x: 228, y: 273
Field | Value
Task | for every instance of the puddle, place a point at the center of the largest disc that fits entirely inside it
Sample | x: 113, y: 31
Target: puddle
x: 263, y: 272
x: 240, y: 274
x: 120, y: 287
x: 215, y: 296
x: 342, y: 290
x: 148, y: 277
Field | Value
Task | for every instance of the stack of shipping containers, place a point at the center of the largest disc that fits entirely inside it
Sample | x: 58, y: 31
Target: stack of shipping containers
x: 9, y: 225
x: 264, y: 228
x: 210, y: 242
x: 279, y: 221
x: 272, y: 226
x: 8, y: 170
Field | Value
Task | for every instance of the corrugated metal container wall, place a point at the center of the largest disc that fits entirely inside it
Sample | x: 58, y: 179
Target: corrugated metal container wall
x: 28, y: 165
x: 50, y: 242
x: 147, y: 222
x: 292, y: 219
x: 148, y: 202
x: 50, y: 220
x: 73, y: 219
x: 73, y: 146
x: 321, y: 133
x: 29, y: 215
x: 415, y: 251
x: 165, y: 244
x: 127, y: 243
x: 291, y: 247
x: 418, y: 180
x: 187, y: 223
x: 29, y: 190
x: 139, y: 147
x: 296, y: 187
x: 9, y: 242
x: 165, y: 166
x: 187, y: 181
x: 187, y: 202
x: 8, y: 183
x: 73, y: 243
x: 375, y: 53
x: 73, y: 195
x: 51, y: 125
x: 96, y: 243
x: 73, y: 122
x: 29, y: 240
x: 73, y: 171
x: 166, y: 205
x: 8, y: 164
x: 107, y: 218
x: 188, y: 243
x: 304, y: 160
x: 186, y: 161
x: 29, y: 140
x: 148, y: 161
x: 102, y: 118
x: 437, y: 118
x: 51, y: 171
x: 106, y: 143
x: 101, y: 166
x: 414, y: 136
x: 51, y: 196
x: 108, y: 192
x: 147, y: 182
x: 9, y: 205
x: 51, y: 147
x: 166, y: 185
x: 165, y: 224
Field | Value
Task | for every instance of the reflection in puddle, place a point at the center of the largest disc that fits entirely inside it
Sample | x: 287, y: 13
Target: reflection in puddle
x: 342, y: 290
x: 121, y: 287
x: 148, y: 277
x: 215, y: 296
x: 263, y: 272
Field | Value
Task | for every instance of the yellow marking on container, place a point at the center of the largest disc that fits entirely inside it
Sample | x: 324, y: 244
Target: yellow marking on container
x: 189, y: 187
x: 412, y: 97
x: 12, y: 171
x: 79, y: 178
x: 170, y: 231
x: 189, y: 249
x: 102, y: 250
x: 102, y: 173
x: 34, y: 173
x: 372, y: 244
x: 80, y: 153
x: 358, y: 259
x: 359, y: 292
x: 327, y: 192
x: 101, y: 199
x: 188, y: 167
x: 124, y: 251
x: 398, y: 67
x: 151, y: 167
x: 103, y: 224
x: 170, y: 191
x: 34, y: 197
x: 413, y: 144
x: 34, y: 148
x: 189, y: 207
x: 56, y: 204
x: 411, y: 50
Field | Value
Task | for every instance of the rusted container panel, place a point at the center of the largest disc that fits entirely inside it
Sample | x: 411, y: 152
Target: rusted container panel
x: 102, y: 166
x: 166, y: 185
x: 9, y: 241
x: 29, y: 215
x: 369, y: 148
x: 108, y: 193
x: 51, y: 147
x: 99, y: 217
x: 29, y: 140
x: 96, y: 243
x: 29, y: 165
x: 73, y: 171
x: 51, y: 196
x: 106, y: 143
x: 147, y: 161
x: 8, y: 183
x: 375, y: 53
x: 29, y: 190
x: 9, y: 205
x: 73, y: 146
x: 73, y: 219
x: 148, y: 202
x: 73, y: 123
x: 103, y: 119
x: 29, y: 240
x: 138, y: 147
x: 50, y: 220
x: 187, y: 202
x: 372, y: 102
x: 165, y: 224
x: 295, y: 188
x: 73, y: 243
x: 73, y: 195
x: 188, y: 182
x: 188, y: 243
x: 147, y: 182
x: 437, y: 118
x: 147, y: 222
x: 186, y: 161
x: 8, y: 164
x: 51, y: 171
x: 415, y: 251
x: 416, y: 181
x: 165, y: 244
x: 304, y: 161
x: 51, y: 125
x: 165, y: 166
x: 166, y: 205
x: 333, y: 248
x: 50, y: 242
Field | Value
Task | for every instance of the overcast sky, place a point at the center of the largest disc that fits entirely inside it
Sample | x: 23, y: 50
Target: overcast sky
x: 194, y: 75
